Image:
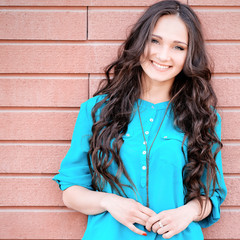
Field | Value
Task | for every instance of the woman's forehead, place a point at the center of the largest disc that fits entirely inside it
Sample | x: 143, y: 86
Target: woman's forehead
x: 171, y: 28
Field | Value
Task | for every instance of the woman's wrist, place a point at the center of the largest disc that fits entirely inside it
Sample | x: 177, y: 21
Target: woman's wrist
x: 105, y: 200
x: 194, y: 209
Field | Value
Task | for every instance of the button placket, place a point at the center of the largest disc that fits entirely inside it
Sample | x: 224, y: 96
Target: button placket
x: 143, y: 173
x: 147, y: 126
x: 143, y: 167
x: 143, y: 162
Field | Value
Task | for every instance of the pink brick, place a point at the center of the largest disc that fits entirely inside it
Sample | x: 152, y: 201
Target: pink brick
x: 230, y: 158
x: 104, y: 23
x: 59, y: 125
x: 233, y: 189
x: 35, y: 158
x: 111, y: 23
x: 39, y: 224
x: 44, y: 25
x: 79, y: 3
x: 125, y: 2
x: 225, y: 228
x: 63, y: 58
x: 44, y: 92
x: 44, y: 192
x: 48, y: 92
x: 89, y: 58
x: 43, y: 125
x: 30, y: 192
x: 230, y: 124
x: 44, y: 3
x: 71, y: 225
x: 94, y: 81
x: 223, y: 55
x: 216, y: 23
x: 32, y: 158
x: 214, y: 2
x: 227, y: 90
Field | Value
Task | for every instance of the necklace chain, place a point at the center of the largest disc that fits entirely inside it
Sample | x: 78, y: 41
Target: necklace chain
x: 148, y: 152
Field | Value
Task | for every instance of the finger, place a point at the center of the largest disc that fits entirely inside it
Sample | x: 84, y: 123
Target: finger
x: 140, y: 221
x: 142, y: 216
x: 163, y: 230
x: 156, y: 226
x: 151, y: 221
x: 136, y: 230
x: 147, y: 211
x: 168, y: 235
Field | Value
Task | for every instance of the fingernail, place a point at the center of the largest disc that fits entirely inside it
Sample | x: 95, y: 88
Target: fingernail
x: 144, y: 234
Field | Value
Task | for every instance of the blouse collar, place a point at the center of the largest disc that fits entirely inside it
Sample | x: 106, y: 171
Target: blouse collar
x: 145, y: 104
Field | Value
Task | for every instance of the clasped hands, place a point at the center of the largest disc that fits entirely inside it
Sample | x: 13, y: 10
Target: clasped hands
x: 128, y: 211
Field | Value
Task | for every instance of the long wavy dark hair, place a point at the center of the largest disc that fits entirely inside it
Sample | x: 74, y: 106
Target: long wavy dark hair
x: 193, y: 105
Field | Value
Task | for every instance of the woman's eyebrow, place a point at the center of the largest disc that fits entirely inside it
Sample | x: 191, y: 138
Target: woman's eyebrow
x: 176, y: 41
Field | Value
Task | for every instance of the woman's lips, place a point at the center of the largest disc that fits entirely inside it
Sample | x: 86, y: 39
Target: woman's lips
x: 160, y: 66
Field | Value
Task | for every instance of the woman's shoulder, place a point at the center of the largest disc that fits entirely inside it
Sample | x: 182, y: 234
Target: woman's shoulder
x: 91, y: 102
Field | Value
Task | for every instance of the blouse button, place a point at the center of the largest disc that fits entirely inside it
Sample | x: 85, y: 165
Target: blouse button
x: 144, y: 142
x: 151, y: 119
x: 144, y: 152
x: 127, y: 135
x: 147, y: 132
x: 144, y: 168
x: 165, y: 137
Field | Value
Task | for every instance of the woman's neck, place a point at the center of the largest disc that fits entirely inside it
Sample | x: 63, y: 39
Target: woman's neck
x: 155, y: 93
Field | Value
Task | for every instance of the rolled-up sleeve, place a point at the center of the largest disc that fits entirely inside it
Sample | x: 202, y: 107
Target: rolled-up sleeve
x: 218, y: 196
x: 74, y: 169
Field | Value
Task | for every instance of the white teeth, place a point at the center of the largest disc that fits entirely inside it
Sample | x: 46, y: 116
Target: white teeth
x: 160, y: 66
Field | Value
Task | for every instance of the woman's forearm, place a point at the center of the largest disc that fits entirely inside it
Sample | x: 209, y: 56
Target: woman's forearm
x: 85, y: 201
x: 91, y: 202
x: 196, y: 210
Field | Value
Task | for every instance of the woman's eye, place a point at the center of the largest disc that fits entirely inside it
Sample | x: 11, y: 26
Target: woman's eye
x: 154, y: 41
x: 179, y: 48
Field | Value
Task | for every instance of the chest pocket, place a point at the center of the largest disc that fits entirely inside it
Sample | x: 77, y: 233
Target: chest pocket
x: 134, y: 131
x: 172, y: 147
x: 177, y: 136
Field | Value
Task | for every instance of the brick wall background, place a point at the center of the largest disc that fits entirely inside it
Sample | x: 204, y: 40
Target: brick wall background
x: 52, y: 53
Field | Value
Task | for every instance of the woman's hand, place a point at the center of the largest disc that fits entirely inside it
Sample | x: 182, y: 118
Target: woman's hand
x: 172, y: 221
x: 127, y: 211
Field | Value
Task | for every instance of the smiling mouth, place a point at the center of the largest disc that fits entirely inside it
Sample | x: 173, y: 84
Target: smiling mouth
x: 159, y: 66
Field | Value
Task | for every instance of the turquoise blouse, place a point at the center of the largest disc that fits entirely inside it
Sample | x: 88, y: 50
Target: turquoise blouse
x: 166, y: 189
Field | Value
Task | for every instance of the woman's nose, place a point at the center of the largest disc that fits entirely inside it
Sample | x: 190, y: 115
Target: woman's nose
x: 163, y: 54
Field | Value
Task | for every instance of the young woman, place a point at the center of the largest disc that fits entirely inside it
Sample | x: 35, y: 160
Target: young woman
x: 145, y: 159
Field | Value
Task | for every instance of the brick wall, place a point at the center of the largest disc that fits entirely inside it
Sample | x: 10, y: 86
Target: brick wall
x: 52, y: 53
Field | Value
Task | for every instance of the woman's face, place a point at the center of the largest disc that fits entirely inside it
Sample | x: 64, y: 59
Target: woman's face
x: 164, y: 57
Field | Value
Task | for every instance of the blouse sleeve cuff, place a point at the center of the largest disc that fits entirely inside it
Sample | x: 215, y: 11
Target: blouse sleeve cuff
x: 64, y: 182
x: 214, y: 216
